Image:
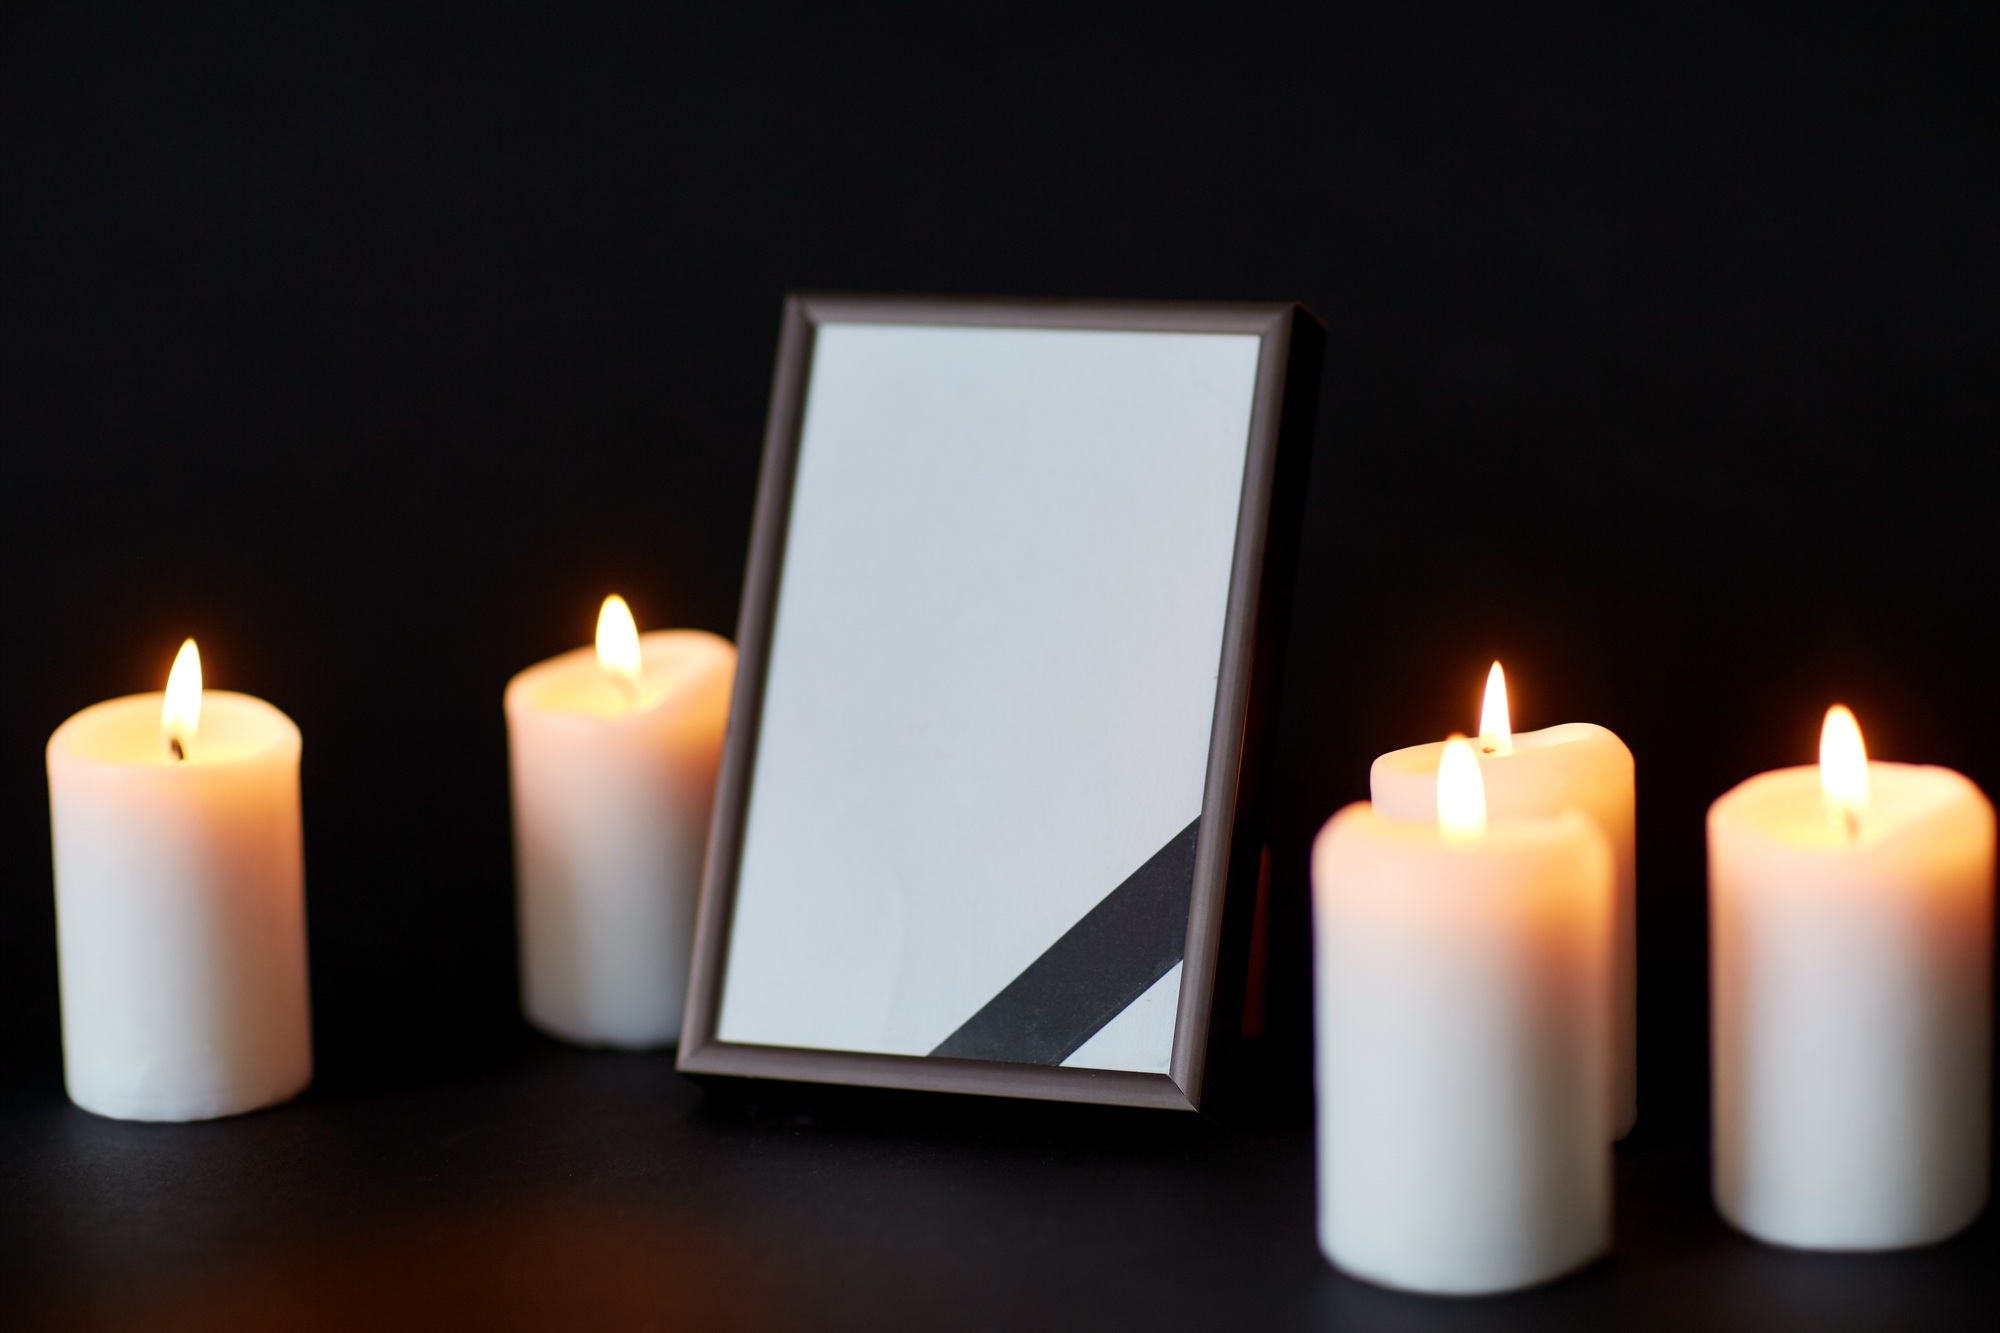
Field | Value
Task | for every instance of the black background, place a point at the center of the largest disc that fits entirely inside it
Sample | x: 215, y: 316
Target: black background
x: 373, y: 348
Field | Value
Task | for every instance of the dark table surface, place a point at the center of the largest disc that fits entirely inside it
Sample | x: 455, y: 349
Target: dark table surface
x: 553, y: 1188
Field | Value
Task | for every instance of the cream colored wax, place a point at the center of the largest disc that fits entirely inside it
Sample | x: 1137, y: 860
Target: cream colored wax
x: 1852, y: 975
x: 614, y: 779
x: 1462, y: 993
x: 1577, y: 765
x: 180, y: 909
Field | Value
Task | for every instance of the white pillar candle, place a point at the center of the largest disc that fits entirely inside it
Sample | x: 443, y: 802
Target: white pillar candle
x: 180, y: 903
x: 1462, y: 1019
x: 614, y: 752
x: 1533, y: 775
x: 1851, y: 937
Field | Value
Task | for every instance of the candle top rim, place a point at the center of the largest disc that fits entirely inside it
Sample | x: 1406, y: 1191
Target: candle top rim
x: 1364, y: 857
x: 124, y: 733
x: 1501, y: 833
x: 1424, y: 758
x: 574, y: 685
x: 1787, y: 806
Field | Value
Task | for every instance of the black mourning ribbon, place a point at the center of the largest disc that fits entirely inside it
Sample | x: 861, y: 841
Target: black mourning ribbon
x: 1093, y: 973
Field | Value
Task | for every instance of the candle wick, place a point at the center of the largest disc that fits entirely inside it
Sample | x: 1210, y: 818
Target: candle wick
x: 1852, y: 818
x: 179, y: 750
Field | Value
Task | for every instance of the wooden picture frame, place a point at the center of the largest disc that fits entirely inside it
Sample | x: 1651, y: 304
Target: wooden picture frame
x: 1224, y: 846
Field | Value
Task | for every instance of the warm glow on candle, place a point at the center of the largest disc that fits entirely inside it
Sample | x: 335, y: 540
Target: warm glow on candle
x: 180, y: 714
x: 1843, y: 767
x: 618, y: 640
x: 1496, y: 730
x: 1461, y: 793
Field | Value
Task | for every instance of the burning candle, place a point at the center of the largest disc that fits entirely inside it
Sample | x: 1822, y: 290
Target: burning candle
x: 1462, y: 991
x: 180, y: 903
x: 1850, y: 937
x: 614, y: 751
x: 1534, y: 775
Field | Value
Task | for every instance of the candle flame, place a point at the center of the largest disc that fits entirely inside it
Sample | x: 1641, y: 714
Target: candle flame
x: 1496, y: 729
x: 1461, y: 793
x: 180, y: 713
x: 618, y: 640
x: 1843, y: 767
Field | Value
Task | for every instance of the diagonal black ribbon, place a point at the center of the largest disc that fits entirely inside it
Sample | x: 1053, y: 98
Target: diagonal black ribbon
x: 1088, y: 977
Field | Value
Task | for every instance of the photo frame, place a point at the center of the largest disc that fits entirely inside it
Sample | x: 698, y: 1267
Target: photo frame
x: 989, y: 817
